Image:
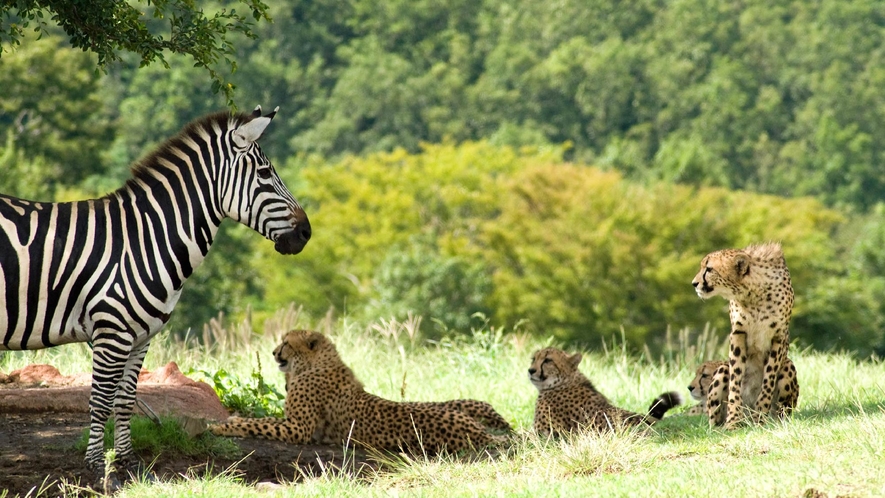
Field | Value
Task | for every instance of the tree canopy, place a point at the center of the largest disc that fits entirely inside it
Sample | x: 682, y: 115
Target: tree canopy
x: 109, y: 28
x: 565, y: 163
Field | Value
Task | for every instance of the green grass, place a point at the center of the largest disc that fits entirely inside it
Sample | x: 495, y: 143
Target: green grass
x: 834, y: 443
x: 166, y: 437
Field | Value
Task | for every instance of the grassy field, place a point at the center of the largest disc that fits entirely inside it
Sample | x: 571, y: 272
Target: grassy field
x: 834, y: 444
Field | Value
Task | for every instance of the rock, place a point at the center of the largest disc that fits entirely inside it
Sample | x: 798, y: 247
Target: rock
x: 44, y: 375
x: 166, y: 391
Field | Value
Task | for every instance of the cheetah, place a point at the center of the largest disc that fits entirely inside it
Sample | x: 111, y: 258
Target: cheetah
x: 756, y: 282
x: 699, y: 388
x: 567, y: 400
x: 325, y: 403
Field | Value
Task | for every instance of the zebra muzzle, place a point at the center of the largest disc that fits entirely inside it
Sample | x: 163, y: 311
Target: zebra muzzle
x: 293, y: 241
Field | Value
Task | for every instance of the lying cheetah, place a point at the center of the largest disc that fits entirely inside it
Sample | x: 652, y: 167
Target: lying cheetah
x: 325, y: 403
x: 567, y: 401
x: 787, y: 384
x: 756, y: 282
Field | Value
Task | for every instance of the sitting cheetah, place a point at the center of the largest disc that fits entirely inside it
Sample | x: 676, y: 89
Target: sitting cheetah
x: 567, y: 401
x: 787, y: 383
x: 756, y: 282
x: 325, y: 403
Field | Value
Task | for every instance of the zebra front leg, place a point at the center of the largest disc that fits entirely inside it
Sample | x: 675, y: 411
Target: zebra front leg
x: 110, y: 353
x: 737, y: 360
x: 123, y: 412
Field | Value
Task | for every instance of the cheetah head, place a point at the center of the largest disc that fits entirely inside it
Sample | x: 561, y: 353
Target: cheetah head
x: 721, y: 274
x: 551, y: 366
x: 700, y: 385
x: 299, y: 350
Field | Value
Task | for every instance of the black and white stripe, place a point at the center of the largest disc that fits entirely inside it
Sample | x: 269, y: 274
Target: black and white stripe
x: 109, y: 271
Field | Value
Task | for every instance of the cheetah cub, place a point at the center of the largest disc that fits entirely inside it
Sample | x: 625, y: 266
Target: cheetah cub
x: 325, y: 403
x: 567, y: 400
x: 756, y: 282
x: 699, y: 388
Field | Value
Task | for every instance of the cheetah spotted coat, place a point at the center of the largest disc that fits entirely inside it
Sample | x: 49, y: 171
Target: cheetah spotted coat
x: 567, y: 400
x: 756, y: 282
x: 325, y: 403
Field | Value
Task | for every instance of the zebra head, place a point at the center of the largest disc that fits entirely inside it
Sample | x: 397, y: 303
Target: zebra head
x: 256, y: 196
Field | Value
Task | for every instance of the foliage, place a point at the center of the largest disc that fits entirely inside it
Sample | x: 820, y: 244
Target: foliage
x: 52, y: 110
x: 365, y: 206
x: 847, y: 310
x: 244, y: 398
x: 766, y: 97
x: 110, y: 27
x: 17, y: 172
x: 568, y: 250
x: 580, y: 253
x: 417, y: 280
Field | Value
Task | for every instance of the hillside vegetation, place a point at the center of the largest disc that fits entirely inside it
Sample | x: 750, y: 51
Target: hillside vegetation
x: 562, y: 166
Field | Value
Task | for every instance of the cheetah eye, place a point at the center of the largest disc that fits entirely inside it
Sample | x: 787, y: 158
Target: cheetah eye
x: 546, y: 360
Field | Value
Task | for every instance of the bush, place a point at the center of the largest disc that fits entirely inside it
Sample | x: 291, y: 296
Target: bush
x: 447, y: 291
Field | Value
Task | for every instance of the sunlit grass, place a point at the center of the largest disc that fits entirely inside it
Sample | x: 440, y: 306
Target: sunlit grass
x: 835, y: 442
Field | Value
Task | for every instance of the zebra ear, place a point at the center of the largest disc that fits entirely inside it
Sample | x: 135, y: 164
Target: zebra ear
x: 250, y: 132
x: 256, y: 112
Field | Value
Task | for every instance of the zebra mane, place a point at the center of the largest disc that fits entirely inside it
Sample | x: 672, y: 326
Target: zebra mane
x: 223, y: 120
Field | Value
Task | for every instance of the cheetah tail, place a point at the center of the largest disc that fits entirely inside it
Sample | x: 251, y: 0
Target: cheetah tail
x: 663, y: 403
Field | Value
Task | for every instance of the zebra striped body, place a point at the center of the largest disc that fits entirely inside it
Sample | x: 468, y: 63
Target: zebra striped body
x: 109, y: 271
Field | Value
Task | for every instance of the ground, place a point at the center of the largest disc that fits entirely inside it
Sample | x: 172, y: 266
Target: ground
x: 37, y: 449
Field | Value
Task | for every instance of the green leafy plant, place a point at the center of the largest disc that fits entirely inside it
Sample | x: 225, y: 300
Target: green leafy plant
x: 250, y: 399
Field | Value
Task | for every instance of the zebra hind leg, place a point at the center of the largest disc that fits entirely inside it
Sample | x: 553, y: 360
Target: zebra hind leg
x: 123, y: 404
x: 109, y: 358
x: 115, y: 368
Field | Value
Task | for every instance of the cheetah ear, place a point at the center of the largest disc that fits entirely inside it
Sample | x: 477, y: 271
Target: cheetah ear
x: 312, y: 343
x: 742, y: 265
x: 575, y: 359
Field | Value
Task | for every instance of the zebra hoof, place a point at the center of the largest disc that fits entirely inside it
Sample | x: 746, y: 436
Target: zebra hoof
x: 107, y: 483
x: 103, y: 480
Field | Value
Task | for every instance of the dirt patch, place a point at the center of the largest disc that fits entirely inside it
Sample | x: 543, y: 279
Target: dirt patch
x: 43, y: 414
x: 36, y: 449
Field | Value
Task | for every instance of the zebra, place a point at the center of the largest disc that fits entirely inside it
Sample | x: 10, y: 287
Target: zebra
x: 109, y: 271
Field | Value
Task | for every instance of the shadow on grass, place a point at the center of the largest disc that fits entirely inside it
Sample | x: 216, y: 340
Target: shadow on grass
x: 696, y: 428
x: 830, y: 411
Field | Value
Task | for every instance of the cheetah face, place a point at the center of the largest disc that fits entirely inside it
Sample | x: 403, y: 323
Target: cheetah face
x: 300, y: 349
x: 721, y: 273
x: 700, y: 385
x: 551, y: 366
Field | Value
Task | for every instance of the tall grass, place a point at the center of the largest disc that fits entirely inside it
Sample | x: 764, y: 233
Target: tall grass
x: 834, y: 443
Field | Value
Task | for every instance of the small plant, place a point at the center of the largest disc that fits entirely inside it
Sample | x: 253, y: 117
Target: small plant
x: 249, y: 399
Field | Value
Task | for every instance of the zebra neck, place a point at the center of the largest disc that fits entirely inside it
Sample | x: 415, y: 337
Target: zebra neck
x: 171, y: 221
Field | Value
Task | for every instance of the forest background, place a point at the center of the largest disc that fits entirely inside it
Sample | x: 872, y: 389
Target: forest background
x: 556, y: 167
